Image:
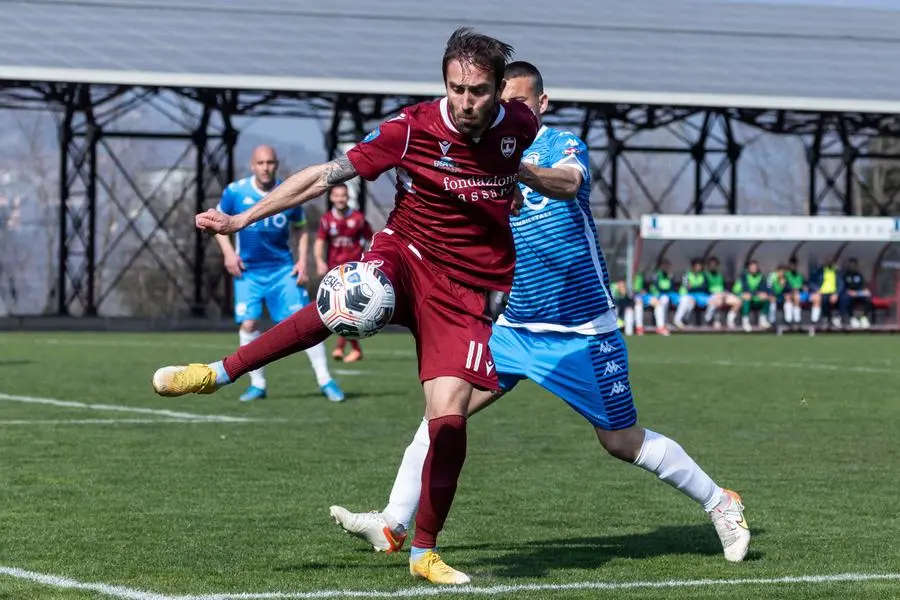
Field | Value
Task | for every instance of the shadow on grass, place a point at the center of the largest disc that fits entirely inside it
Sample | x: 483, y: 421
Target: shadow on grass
x: 538, y: 558
x: 18, y: 362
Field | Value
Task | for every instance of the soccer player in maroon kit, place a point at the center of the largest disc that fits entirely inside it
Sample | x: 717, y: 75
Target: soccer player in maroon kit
x: 344, y: 233
x: 447, y: 247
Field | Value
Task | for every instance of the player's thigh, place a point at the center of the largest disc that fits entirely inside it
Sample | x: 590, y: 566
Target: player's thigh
x: 590, y: 373
x: 511, y: 350
x: 452, y: 332
x: 249, y: 292
x: 283, y: 296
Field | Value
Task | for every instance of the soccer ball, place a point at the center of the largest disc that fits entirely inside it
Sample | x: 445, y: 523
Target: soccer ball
x: 355, y: 300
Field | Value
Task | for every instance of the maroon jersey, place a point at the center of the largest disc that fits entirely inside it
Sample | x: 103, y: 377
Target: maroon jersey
x: 453, y: 193
x: 346, y: 235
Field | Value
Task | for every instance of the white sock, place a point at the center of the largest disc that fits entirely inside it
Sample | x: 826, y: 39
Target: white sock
x: 732, y: 317
x: 404, y: 498
x: 659, y: 312
x: 257, y: 377
x: 816, y: 313
x: 639, y: 315
x: 710, y: 313
x: 319, y: 361
x: 671, y: 463
x: 788, y: 312
x: 798, y: 313
x: 684, y: 307
x: 629, y: 321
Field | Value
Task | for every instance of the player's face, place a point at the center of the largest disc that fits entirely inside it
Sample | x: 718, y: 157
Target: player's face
x: 472, y: 96
x: 339, y: 198
x: 522, y: 89
x: 264, y: 164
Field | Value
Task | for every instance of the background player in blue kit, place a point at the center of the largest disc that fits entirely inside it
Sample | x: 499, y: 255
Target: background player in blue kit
x: 264, y: 270
x: 559, y: 330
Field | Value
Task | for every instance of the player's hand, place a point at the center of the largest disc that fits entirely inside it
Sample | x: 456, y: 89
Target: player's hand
x: 299, y: 272
x: 234, y: 265
x: 517, y: 202
x: 216, y: 221
x: 322, y: 269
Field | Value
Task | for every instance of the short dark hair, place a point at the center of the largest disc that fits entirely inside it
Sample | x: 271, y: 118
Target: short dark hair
x: 520, y: 68
x: 483, y: 51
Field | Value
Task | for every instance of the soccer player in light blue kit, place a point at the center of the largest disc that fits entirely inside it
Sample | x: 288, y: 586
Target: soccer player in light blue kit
x: 559, y: 330
x: 264, y: 270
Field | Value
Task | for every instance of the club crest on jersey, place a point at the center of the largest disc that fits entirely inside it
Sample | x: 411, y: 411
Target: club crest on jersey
x: 508, y: 146
x: 374, y: 134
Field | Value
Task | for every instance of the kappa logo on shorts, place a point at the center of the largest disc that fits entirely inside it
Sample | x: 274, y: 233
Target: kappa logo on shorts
x: 618, y: 388
x: 612, y: 367
x: 606, y: 348
x: 508, y: 146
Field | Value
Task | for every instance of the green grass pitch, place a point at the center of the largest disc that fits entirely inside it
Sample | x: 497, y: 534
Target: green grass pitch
x: 806, y: 429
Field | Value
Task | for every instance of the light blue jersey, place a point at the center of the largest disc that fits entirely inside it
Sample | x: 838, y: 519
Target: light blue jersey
x: 559, y: 328
x: 265, y: 250
x: 561, y: 281
x: 265, y: 244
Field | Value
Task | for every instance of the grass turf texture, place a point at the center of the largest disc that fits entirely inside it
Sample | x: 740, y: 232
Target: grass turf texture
x: 805, y: 429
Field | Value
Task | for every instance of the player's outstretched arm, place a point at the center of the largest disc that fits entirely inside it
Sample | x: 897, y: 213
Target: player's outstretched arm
x: 300, y: 187
x: 559, y: 183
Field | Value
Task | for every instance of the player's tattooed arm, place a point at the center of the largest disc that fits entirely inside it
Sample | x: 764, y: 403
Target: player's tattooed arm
x: 559, y: 183
x: 338, y: 171
x: 297, y: 189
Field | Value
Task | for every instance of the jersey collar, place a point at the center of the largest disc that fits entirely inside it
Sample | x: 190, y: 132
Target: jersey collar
x: 540, y: 133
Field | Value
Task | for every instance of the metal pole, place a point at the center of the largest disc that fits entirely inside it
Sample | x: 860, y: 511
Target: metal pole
x: 200, y: 137
x: 65, y: 138
x: 90, y: 254
x: 629, y: 259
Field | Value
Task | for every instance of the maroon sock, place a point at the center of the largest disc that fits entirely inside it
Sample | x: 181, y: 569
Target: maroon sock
x: 304, y: 329
x: 341, y: 343
x: 355, y: 345
x: 440, y: 474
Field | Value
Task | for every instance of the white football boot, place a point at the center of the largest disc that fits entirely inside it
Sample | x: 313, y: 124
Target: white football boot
x: 734, y: 533
x: 371, y: 527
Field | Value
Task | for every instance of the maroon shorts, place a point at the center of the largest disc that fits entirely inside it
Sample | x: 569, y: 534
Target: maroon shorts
x: 446, y: 318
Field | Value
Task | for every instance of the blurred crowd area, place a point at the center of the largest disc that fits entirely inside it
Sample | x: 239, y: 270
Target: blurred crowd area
x: 831, y: 296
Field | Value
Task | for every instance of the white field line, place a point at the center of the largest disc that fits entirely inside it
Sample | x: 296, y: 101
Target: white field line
x: 125, y: 593
x: 118, y: 408
x: 113, y: 591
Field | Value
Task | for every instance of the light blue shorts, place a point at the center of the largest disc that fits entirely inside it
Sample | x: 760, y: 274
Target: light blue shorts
x: 276, y: 287
x: 590, y: 373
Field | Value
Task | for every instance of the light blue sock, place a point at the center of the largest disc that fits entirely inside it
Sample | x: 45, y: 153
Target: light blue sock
x: 222, y: 377
x: 415, y: 553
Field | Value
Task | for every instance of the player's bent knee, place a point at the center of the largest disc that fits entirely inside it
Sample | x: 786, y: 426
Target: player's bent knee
x: 624, y: 444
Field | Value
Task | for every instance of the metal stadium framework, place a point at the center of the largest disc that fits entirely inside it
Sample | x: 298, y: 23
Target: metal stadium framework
x: 92, y: 108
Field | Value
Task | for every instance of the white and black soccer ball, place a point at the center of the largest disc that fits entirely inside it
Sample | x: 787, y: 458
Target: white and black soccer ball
x: 355, y: 300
